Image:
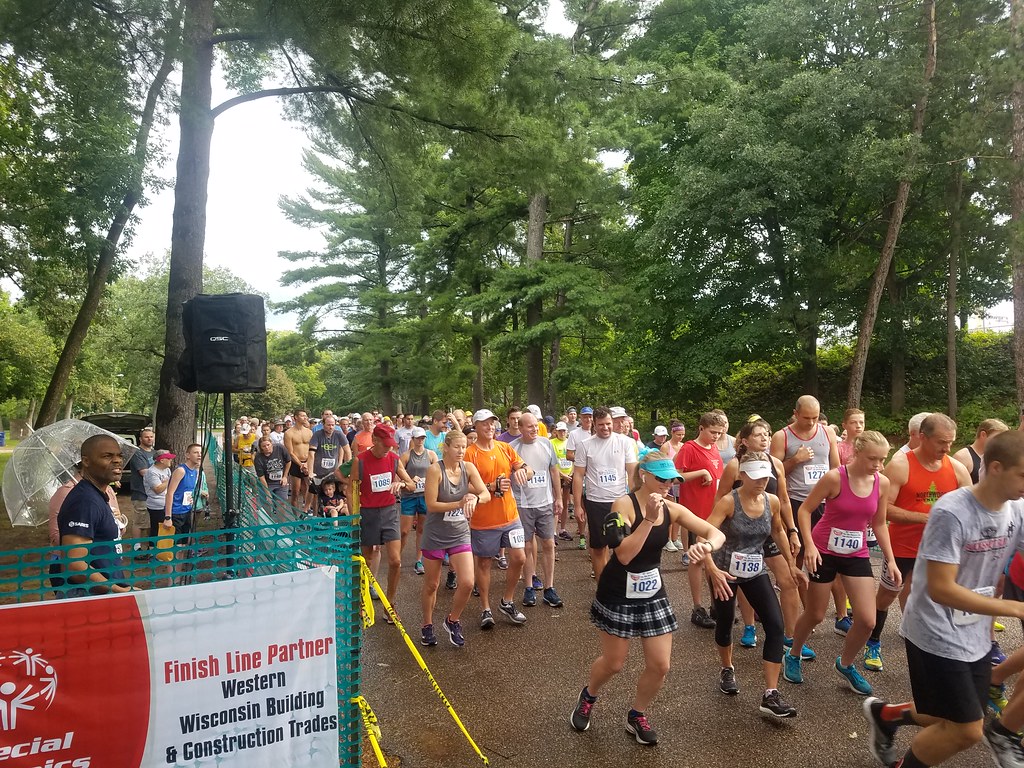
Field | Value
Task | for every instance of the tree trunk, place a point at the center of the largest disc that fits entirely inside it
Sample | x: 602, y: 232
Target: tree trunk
x: 108, y: 249
x: 175, y: 417
x: 955, y: 237
x: 1017, y: 191
x: 534, y: 310
x: 556, y: 341
x: 517, y: 379
x: 898, y: 358
x: 899, y: 206
x: 68, y: 406
x: 477, y: 349
x: 809, y: 346
x: 32, y: 411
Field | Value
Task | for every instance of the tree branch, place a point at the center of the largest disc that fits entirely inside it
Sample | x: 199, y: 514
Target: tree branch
x: 236, y: 37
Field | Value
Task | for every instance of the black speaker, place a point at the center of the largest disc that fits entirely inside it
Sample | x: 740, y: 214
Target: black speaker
x: 225, y: 344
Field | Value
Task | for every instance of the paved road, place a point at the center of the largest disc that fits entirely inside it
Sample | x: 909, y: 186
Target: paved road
x: 514, y: 687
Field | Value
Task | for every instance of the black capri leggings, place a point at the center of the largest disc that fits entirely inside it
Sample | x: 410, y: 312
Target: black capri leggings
x: 761, y: 596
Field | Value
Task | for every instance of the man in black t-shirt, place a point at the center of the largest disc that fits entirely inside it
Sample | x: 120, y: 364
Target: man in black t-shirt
x: 272, y: 465
x: 328, y: 449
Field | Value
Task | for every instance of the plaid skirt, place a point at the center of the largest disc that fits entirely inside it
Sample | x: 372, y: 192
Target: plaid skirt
x: 642, y: 618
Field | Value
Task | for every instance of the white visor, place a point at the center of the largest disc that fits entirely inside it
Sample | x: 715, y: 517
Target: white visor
x: 756, y: 470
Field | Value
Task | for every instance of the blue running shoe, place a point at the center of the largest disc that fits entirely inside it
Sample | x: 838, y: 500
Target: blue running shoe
x: 843, y: 625
x: 791, y: 668
x: 853, y: 677
x: 537, y: 583
x: 529, y: 597
x: 806, y: 654
x: 749, y: 639
x: 873, y: 655
x: 996, y: 655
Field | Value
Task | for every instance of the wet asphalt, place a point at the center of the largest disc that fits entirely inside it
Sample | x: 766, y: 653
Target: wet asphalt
x: 514, y: 687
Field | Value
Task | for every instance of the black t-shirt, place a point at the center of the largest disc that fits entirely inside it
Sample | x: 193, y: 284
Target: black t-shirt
x: 86, y: 513
x: 327, y: 451
x: 141, y: 461
x: 612, y: 586
x: 272, y: 466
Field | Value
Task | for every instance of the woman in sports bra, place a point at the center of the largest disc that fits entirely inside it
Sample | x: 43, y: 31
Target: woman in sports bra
x: 855, y: 497
x: 631, y: 600
x: 749, y: 516
x: 453, y: 489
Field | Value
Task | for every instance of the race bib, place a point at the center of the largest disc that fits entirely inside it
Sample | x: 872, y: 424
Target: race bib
x: 517, y: 538
x: 744, y: 565
x: 641, y: 585
x: 814, y: 472
x: 539, y: 480
x: 186, y: 499
x: 276, y: 474
x: 963, y: 618
x: 564, y: 464
x: 381, y: 482
x: 454, y: 515
x: 608, y: 478
x: 328, y: 462
x: 421, y: 484
x: 845, y: 542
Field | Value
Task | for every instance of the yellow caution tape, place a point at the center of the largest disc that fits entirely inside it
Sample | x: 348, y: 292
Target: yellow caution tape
x: 372, y: 729
x: 369, y: 579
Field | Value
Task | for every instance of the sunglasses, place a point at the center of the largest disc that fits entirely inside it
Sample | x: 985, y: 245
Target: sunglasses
x: 664, y: 479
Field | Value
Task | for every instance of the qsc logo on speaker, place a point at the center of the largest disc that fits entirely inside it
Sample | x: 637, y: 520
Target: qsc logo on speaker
x: 220, y: 338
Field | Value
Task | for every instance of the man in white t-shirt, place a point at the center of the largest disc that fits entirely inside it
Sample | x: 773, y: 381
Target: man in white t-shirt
x: 608, y: 463
x: 970, y: 535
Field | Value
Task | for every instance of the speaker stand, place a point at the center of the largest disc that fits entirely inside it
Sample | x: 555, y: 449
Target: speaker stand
x: 230, y: 513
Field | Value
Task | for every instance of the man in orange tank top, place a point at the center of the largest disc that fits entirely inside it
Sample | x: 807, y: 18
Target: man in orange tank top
x: 917, y: 479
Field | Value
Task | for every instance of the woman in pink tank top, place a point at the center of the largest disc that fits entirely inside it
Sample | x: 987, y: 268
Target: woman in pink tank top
x: 855, y: 497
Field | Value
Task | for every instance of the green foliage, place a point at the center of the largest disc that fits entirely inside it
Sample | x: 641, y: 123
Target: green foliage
x: 27, y: 353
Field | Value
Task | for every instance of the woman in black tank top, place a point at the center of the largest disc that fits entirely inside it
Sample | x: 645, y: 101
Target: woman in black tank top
x: 631, y: 600
x: 756, y: 435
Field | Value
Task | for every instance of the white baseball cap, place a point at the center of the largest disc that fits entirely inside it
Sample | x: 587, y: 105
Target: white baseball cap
x: 418, y: 432
x: 535, y: 410
x: 483, y: 415
x: 561, y: 425
x: 661, y: 430
x: 618, y: 412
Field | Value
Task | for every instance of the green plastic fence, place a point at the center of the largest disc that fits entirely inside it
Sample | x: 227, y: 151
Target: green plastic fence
x: 271, y: 537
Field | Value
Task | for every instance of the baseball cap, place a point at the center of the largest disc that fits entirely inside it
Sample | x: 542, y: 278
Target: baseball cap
x: 755, y: 469
x: 561, y: 425
x: 245, y: 428
x: 164, y: 454
x: 661, y: 430
x: 386, y: 434
x: 483, y: 415
x: 587, y: 410
x: 618, y: 412
x: 418, y: 432
x: 535, y: 410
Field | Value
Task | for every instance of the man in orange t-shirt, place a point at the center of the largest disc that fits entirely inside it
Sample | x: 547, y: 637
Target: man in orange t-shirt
x: 495, y: 525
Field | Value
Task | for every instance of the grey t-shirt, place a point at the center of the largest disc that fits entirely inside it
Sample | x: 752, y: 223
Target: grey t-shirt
x: 963, y: 532
x: 444, y: 530
x: 539, y: 456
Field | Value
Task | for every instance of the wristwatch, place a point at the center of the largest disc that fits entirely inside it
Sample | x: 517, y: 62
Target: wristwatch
x: 794, y: 530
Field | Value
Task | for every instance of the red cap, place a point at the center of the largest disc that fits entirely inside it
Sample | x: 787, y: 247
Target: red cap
x: 386, y: 434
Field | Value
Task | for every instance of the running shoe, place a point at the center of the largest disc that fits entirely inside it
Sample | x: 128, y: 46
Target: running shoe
x: 880, y: 741
x: 452, y: 581
x: 454, y: 632
x: 446, y: 560
x: 582, y: 544
x: 853, y: 677
x: 427, y: 635
x: 998, y: 627
x: 514, y: 614
x: 727, y: 681
x: 580, y: 717
x: 791, y: 668
x: 564, y: 535
x: 486, y: 619
x: 502, y: 562
x: 680, y: 547
x: 843, y: 625
x: 997, y: 698
x: 806, y: 654
x: 749, y: 639
x: 476, y: 591
x: 686, y: 559
x: 670, y: 546
x: 551, y: 598
x: 772, y: 704
x: 700, y: 618
x: 529, y: 597
x: 418, y: 568
x: 638, y: 725
x: 873, y: 655
x: 537, y: 583
x: 1007, y: 751
x: 996, y: 655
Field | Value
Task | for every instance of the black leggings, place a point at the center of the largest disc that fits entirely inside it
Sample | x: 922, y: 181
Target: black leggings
x: 761, y: 596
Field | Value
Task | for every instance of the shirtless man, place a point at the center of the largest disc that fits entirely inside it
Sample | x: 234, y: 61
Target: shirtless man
x: 296, y: 445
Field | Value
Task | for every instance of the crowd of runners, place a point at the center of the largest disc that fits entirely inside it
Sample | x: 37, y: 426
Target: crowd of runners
x: 782, y: 522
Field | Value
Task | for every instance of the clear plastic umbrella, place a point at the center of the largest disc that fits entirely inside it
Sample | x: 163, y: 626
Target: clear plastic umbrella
x: 42, y: 462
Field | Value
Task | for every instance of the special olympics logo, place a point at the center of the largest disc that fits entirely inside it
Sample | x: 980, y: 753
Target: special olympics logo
x: 27, y: 681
